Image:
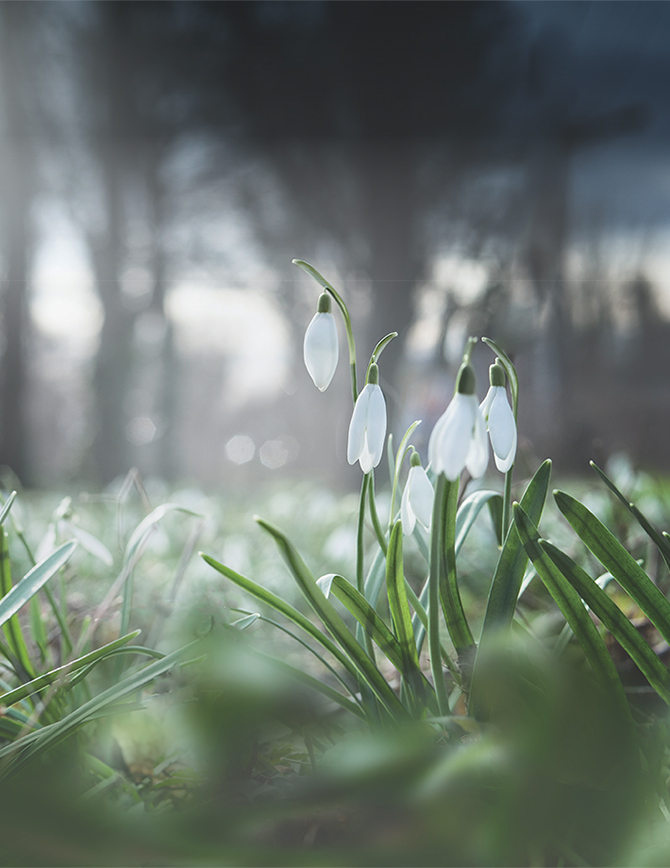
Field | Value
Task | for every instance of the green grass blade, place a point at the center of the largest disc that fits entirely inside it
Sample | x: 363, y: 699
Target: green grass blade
x: 309, y: 648
x: 284, y: 608
x: 34, y: 580
x: 398, y: 605
x: 513, y: 559
x: 620, y: 563
x: 614, y: 619
x: 4, y: 512
x: 642, y: 520
x: 573, y: 609
x: 333, y: 622
x: 12, y: 628
x: 368, y: 618
x: 13, y: 696
x: 134, y: 548
x: 452, y: 605
x: 27, y: 749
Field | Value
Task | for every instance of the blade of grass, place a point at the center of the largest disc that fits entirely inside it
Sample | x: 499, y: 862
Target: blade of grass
x: 398, y: 605
x: 34, y: 580
x: 513, y: 559
x: 12, y: 696
x: 620, y: 563
x: 614, y: 619
x: 283, y: 608
x: 12, y: 627
x: 27, y: 749
x: 572, y: 607
x: 643, y: 521
x: 333, y: 622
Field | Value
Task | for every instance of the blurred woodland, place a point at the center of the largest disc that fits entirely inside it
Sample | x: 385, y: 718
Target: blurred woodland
x: 486, y: 168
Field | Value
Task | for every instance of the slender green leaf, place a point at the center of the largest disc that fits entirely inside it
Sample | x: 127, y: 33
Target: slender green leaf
x: 513, y: 559
x: 614, y: 557
x: 614, y: 619
x: 642, y: 520
x: 333, y: 622
x: 12, y: 627
x: 4, y: 512
x: 134, y: 548
x: 12, y: 696
x: 309, y: 648
x: 452, y: 605
x: 366, y: 616
x: 279, y: 605
x: 496, y: 511
x: 468, y: 512
x: 34, y: 580
x: 397, y: 596
x: 572, y: 607
x: 27, y: 749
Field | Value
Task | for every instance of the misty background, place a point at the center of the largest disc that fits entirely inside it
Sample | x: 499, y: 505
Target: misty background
x: 488, y: 168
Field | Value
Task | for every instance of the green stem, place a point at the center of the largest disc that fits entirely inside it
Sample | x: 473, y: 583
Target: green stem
x: 437, y: 525
x: 381, y: 538
x: 360, y: 547
x: 507, y: 504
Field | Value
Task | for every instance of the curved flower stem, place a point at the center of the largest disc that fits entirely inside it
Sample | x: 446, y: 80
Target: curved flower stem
x: 321, y: 280
x: 437, y: 526
x: 452, y: 606
x: 376, y: 524
x: 403, y: 449
x: 360, y: 547
x: 507, y: 504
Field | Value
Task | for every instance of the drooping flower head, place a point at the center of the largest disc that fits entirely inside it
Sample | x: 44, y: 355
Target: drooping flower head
x: 367, y: 429
x: 499, y: 419
x: 321, y: 347
x: 417, y: 498
x: 459, y: 437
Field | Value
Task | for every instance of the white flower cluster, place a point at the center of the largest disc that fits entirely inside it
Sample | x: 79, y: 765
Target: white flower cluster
x: 459, y: 439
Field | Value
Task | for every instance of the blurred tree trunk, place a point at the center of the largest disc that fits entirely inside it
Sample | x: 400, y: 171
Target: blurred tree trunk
x: 18, y: 184
x: 114, y: 360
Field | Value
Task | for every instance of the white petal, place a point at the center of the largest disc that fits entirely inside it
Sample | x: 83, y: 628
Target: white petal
x: 366, y: 458
x: 407, y: 516
x: 421, y: 495
x: 478, y: 453
x: 434, y: 456
x: 502, y: 429
x: 456, y: 435
x: 376, y: 424
x: 321, y: 349
x: 356, y: 441
x: 485, y: 406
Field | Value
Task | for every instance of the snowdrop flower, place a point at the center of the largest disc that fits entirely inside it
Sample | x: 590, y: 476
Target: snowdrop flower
x: 321, y: 348
x: 367, y: 429
x: 417, y: 498
x: 459, y: 436
x: 499, y: 420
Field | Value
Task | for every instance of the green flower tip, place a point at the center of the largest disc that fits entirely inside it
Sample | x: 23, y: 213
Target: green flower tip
x: 373, y: 375
x: 415, y: 460
x: 466, y: 382
x: 324, y: 304
x: 497, y: 375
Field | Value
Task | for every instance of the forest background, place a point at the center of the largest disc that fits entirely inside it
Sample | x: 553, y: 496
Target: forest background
x: 496, y: 168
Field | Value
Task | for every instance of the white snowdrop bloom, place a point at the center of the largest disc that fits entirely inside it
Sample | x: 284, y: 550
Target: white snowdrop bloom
x: 321, y: 347
x: 417, y: 498
x: 367, y: 429
x: 500, y: 423
x: 459, y: 437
